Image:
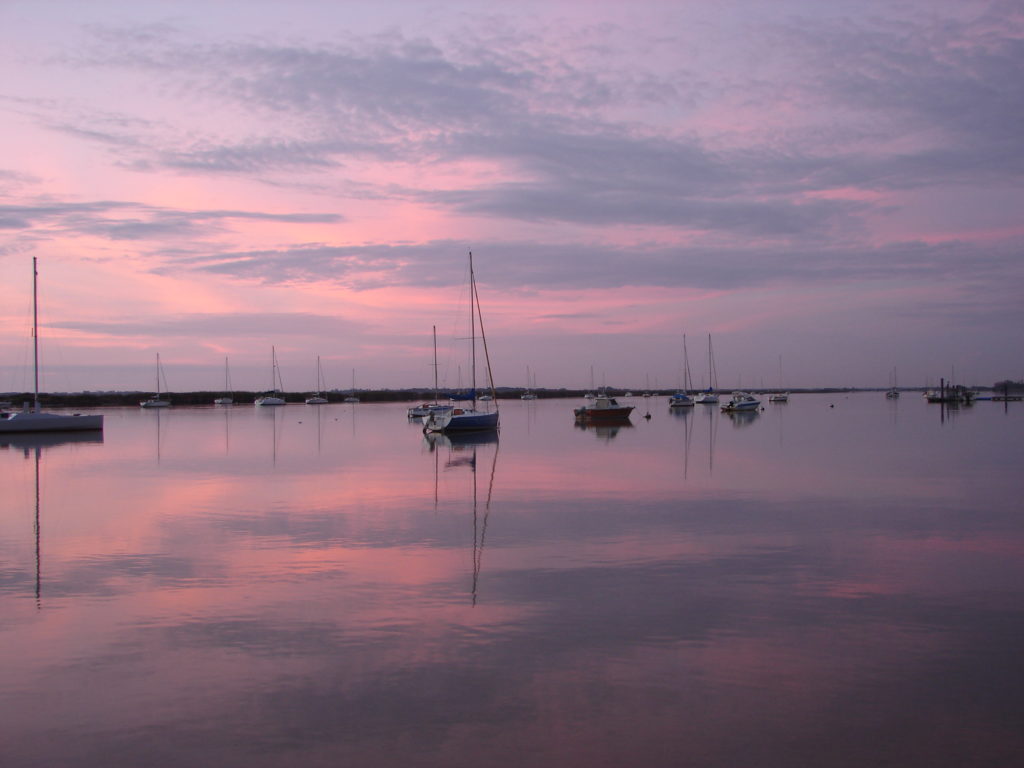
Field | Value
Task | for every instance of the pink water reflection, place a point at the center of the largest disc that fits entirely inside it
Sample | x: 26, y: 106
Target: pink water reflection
x: 242, y: 587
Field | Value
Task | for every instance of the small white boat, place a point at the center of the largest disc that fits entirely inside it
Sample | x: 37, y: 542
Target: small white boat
x: 779, y: 397
x: 352, y: 398
x: 741, y: 401
x: 709, y: 396
x: 227, y: 399
x: 316, y: 398
x: 274, y: 395
x: 30, y: 418
x: 156, y: 401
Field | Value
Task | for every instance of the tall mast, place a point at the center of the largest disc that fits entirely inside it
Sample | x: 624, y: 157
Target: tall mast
x: 35, y: 335
x: 472, y: 328
x: 435, y: 363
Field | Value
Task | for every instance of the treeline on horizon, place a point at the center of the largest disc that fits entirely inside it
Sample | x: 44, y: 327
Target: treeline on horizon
x: 206, y: 397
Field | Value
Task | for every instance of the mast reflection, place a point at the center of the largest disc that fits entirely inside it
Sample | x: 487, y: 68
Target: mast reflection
x: 462, y: 452
x: 32, y: 444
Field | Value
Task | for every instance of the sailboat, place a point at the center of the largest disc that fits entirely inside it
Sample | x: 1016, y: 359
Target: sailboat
x: 418, y: 411
x: 32, y: 419
x: 352, y: 398
x: 318, y: 398
x: 709, y: 396
x: 893, y: 392
x: 227, y: 399
x: 683, y: 399
x: 156, y: 401
x: 461, y: 418
x: 274, y: 396
x: 527, y: 394
x: 779, y: 397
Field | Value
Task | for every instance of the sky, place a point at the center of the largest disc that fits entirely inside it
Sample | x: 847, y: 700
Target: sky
x: 831, y: 191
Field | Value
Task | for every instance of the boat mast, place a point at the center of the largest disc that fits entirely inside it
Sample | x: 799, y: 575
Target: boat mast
x: 35, y: 335
x: 472, y: 330
x: 435, y: 363
x: 483, y: 336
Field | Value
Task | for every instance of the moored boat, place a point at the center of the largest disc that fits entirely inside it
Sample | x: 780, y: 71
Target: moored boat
x: 30, y: 418
x: 467, y: 418
x: 274, y: 396
x: 741, y: 401
x: 603, y: 409
x: 156, y: 401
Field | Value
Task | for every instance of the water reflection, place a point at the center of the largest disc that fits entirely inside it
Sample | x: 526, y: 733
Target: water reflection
x: 463, y: 450
x: 741, y: 419
x: 32, y: 445
x: 701, y: 594
x: 605, y: 432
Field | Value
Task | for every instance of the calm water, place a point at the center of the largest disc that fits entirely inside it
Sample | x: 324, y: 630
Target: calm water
x: 809, y: 586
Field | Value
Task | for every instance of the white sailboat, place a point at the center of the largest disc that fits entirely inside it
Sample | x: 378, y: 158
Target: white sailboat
x: 227, y: 399
x: 683, y: 399
x: 318, y: 398
x: 419, y: 411
x: 275, y: 396
x: 779, y: 397
x: 462, y: 418
x: 156, y: 401
x: 709, y: 396
x: 31, y: 419
x: 352, y: 398
x: 527, y: 394
x: 893, y: 392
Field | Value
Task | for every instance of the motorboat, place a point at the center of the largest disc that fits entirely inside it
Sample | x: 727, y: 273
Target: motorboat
x: 707, y: 397
x: 603, y: 409
x: 779, y: 397
x: 741, y: 401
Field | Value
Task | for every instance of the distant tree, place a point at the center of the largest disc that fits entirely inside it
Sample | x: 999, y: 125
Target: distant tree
x: 1008, y: 384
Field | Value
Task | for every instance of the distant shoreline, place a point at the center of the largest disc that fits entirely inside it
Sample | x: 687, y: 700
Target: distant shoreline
x: 113, y: 399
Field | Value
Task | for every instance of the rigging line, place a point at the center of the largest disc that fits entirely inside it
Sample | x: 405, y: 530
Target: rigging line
x: 487, y: 355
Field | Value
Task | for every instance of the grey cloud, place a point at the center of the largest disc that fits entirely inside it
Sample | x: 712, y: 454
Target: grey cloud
x: 921, y: 103
x: 526, y: 266
x: 257, y: 324
x: 131, y: 221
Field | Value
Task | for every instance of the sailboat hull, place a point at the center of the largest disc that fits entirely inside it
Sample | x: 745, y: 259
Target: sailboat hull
x: 461, y: 420
x: 29, y: 421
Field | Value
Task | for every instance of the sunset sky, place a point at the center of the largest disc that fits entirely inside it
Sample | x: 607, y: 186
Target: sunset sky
x: 836, y: 185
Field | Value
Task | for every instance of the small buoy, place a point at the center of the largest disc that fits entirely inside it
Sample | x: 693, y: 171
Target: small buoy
x: 831, y: 405
x: 647, y: 416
